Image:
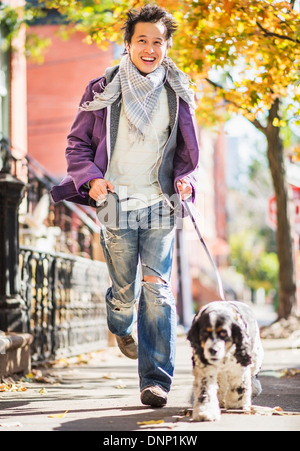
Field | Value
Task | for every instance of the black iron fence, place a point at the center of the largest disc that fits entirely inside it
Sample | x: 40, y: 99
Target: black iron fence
x: 58, y: 297
x: 65, y: 298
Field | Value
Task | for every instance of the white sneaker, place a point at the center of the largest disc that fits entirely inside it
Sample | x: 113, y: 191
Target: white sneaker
x: 154, y: 396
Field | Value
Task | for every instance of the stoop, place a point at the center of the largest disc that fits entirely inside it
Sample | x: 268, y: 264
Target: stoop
x: 15, y: 355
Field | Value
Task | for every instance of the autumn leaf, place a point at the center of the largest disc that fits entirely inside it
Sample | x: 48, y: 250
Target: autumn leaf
x: 143, y: 423
x: 120, y: 384
x: 12, y: 388
x: 43, y: 391
x: 58, y: 415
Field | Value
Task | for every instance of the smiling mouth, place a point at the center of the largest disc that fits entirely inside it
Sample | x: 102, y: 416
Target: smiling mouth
x: 147, y: 60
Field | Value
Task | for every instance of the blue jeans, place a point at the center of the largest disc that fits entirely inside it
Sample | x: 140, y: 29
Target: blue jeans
x: 144, y: 241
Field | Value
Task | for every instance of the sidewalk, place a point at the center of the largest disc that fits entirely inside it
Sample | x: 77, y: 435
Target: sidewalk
x: 101, y: 394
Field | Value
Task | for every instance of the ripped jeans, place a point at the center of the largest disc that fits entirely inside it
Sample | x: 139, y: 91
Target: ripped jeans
x: 144, y: 241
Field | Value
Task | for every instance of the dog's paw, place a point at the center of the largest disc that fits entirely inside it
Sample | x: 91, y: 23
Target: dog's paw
x: 206, y: 415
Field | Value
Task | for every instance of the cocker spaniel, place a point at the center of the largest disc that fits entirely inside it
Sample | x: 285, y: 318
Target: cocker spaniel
x: 227, y: 356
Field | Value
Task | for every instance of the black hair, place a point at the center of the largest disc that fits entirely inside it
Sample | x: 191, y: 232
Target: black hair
x: 149, y: 13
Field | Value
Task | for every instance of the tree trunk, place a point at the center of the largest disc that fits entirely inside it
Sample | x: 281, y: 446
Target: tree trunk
x: 287, y: 279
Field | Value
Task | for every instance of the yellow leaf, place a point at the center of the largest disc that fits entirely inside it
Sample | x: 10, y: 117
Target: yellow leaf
x: 120, y: 384
x: 108, y: 376
x: 178, y: 15
x: 12, y: 388
x: 3, y: 388
x: 29, y: 376
x: 150, y: 422
x: 279, y: 123
x: 240, y: 27
x: 21, y: 389
x: 59, y: 415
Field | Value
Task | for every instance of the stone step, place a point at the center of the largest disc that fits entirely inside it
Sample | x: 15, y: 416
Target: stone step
x: 15, y: 355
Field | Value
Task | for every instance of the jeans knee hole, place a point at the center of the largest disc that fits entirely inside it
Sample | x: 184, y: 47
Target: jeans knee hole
x: 155, y: 280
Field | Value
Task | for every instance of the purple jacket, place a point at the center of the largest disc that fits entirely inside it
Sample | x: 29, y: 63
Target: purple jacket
x: 93, y: 136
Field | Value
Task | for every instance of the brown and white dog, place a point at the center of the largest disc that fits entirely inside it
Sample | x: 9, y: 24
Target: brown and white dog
x: 227, y: 356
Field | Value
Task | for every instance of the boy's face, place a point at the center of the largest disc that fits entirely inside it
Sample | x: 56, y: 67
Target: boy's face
x: 148, y: 46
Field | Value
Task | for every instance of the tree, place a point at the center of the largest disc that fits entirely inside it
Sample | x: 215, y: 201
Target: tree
x: 248, y: 52
x: 244, y: 58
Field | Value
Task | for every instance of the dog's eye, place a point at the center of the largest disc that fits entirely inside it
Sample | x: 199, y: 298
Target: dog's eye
x: 223, y: 334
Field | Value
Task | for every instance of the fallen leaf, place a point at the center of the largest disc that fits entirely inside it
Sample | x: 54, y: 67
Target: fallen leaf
x: 21, y: 389
x: 120, y: 384
x: 38, y: 376
x: 29, y: 376
x: 268, y: 411
x: 291, y: 372
x: 61, y: 363
x: 3, y: 388
x: 108, y: 376
x: 12, y: 388
x: 43, y: 391
x: 58, y: 415
x: 142, y: 423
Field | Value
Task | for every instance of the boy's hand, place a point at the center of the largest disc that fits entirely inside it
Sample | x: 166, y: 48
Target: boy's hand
x: 185, y: 189
x: 99, y: 188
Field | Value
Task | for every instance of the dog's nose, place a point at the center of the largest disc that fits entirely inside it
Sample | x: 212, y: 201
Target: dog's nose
x: 213, y: 351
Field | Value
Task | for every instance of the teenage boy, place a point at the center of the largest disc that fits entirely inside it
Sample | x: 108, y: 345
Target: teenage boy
x: 134, y: 136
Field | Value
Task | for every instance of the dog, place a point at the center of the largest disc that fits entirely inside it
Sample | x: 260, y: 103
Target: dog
x: 227, y: 356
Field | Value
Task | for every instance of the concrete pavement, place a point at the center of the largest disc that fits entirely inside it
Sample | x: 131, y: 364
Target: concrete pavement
x: 100, y: 393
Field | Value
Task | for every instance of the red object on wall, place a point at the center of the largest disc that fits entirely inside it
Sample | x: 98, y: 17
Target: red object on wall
x: 273, y: 209
x: 272, y: 217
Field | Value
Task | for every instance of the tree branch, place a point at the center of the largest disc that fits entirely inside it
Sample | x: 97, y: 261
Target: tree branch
x: 254, y: 122
x: 215, y: 85
x: 276, y: 35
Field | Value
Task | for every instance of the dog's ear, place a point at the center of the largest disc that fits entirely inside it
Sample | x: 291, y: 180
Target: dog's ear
x: 194, y: 333
x: 243, y: 348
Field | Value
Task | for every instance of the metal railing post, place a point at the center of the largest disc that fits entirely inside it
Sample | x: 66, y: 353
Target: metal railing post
x: 13, y: 311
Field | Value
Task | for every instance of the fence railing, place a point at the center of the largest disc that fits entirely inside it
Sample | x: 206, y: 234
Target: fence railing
x: 65, y: 297
x: 53, y: 285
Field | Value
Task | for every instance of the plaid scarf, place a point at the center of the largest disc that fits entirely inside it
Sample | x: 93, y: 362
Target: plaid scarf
x: 140, y: 94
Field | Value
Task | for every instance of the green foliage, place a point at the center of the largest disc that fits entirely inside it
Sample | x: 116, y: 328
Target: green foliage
x: 13, y: 19
x: 11, y: 22
x: 248, y: 255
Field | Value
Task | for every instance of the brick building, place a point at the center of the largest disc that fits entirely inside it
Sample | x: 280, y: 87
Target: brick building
x: 55, y: 88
